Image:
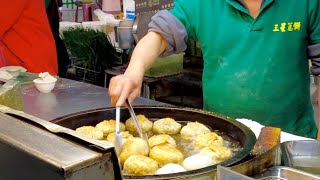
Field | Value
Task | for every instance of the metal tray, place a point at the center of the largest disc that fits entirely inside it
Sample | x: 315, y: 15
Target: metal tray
x: 302, y: 155
x: 274, y: 173
x: 281, y: 172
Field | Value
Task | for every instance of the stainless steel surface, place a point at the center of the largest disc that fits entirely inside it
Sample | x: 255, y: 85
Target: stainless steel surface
x: 264, y: 167
x: 252, y: 166
x: 142, y: 135
x: 272, y: 178
x: 135, y: 28
x: 303, y: 155
x: 118, y: 139
x: 224, y: 173
x: 31, y: 152
x: 257, y: 164
x: 67, y: 97
x: 281, y: 172
x: 54, y: 128
x: 124, y: 34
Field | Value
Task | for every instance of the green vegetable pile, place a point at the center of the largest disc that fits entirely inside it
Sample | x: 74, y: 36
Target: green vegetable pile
x: 91, y: 48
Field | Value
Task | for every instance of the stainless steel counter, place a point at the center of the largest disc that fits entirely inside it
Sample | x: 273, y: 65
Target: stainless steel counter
x: 67, y: 97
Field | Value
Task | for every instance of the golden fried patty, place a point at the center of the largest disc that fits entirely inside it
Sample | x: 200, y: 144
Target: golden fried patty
x: 166, y: 126
x: 109, y: 126
x: 165, y: 154
x: 91, y: 132
x: 205, y: 139
x: 217, y: 153
x: 192, y: 129
x: 145, y: 124
x: 133, y: 146
x: 161, y: 139
x: 140, y: 165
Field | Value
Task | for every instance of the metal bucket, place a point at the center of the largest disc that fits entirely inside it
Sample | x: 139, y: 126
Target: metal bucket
x: 124, y: 34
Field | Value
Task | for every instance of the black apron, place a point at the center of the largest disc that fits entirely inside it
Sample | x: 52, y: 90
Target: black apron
x: 62, y: 54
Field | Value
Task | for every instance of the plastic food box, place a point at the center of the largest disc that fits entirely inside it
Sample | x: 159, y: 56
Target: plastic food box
x: 165, y: 66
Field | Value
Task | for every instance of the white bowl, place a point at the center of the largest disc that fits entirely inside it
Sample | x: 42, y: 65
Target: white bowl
x: 44, y: 87
x: 14, y: 71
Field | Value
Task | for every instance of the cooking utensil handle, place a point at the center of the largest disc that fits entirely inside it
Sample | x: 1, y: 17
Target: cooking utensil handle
x: 134, y: 117
x: 54, y: 128
x: 118, y: 119
x: 118, y: 139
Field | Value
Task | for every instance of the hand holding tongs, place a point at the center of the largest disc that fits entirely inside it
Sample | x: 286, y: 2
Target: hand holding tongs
x: 134, y: 117
x: 118, y: 139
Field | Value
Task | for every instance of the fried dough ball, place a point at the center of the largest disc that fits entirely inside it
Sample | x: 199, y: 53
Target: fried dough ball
x: 165, y: 154
x: 166, y: 126
x: 125, y: 136
x: 161, y: 139
x: 109, y: 126
x: 217, y: 153
x: 145, y: 124
x: 133, y: 146
x: 91, y: 132
x: 205, y: 139
x: 192, y: 129
x: 140, y: 165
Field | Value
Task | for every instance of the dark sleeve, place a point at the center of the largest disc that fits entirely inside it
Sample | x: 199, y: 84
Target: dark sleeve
x: 314, y: 36
x: 53, y: 17
x: 172, y: 30
x: 314, y: 55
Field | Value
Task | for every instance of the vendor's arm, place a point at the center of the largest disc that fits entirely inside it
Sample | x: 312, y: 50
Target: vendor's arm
x: 10, y: 11
x: 166, y: 36
x: 128, y: 85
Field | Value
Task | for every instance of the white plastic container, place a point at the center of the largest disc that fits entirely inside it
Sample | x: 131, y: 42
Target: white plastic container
x: 111, y: 6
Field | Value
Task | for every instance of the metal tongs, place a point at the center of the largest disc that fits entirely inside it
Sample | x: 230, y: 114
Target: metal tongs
x: 134, y: 117
x: 118, y: 139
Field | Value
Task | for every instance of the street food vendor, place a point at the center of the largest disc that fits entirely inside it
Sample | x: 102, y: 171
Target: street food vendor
x: 255, y: 57
x: 25, y: 36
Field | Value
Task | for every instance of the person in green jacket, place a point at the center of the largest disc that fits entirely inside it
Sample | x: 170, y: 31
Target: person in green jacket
x: 255, y: 57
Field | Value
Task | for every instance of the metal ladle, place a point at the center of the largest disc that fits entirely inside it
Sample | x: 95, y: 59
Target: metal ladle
x: 134, y: 117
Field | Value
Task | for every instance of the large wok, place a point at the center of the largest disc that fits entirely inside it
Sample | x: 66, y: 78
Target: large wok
x: 232, y: 128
